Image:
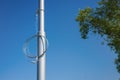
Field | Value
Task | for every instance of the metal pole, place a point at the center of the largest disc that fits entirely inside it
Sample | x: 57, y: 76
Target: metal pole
x: 41, y: 64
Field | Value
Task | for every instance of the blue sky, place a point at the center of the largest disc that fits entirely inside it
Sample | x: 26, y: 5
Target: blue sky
x: 68, y: 57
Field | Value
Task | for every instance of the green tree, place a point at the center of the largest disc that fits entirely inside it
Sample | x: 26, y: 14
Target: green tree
x: 104, y: 21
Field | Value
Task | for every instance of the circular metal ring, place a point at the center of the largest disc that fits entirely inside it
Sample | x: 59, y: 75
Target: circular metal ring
x: 44, y: 43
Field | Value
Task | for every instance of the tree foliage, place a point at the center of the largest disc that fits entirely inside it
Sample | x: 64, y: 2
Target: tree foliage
x: 104, y: 21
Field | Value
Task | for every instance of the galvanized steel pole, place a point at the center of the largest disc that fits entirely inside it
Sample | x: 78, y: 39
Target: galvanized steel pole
x: 41, y: 63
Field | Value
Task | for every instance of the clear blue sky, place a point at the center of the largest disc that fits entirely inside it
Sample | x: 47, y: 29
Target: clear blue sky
x: 68, y: 56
